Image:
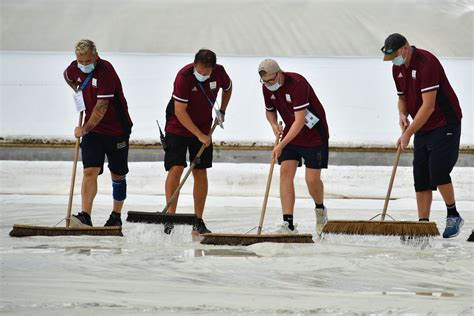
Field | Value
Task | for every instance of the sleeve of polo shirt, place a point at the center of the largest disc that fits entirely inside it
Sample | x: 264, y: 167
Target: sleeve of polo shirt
x: 71, y: 72
x: 395, y: 73
x: 266, y: 98
x: 429, y: 78
x: 226, y: 82
x: 106, y: 84
x: 181, y: 91
x: 300, y: 96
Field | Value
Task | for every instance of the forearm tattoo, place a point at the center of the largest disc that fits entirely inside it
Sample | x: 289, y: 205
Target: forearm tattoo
x: 96, y: 116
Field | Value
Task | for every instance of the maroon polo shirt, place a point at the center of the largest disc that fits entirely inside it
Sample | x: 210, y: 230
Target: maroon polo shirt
x: 425, y: 74
x: 187, y: 90
x: 104, y: 84
x: 295, y: 95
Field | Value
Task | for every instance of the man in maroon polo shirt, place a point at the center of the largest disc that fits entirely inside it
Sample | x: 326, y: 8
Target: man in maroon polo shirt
x: 105, y: 131
x: 425, y: 94
x: 188, y: 123
x: 305, y: 136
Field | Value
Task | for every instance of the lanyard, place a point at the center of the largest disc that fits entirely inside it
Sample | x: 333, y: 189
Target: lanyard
x: 88, y: 78
x: 204, y: 92
x: 218, y: 113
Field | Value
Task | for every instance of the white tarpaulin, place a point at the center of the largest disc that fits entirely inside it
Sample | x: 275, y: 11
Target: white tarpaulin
x: 239, y: 27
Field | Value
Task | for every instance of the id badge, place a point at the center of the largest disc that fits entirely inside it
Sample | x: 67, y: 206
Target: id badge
x: 79, y: 101
x: 310, y: 119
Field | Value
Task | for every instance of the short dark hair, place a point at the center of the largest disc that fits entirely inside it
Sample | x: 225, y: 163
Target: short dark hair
x: 206, y: 57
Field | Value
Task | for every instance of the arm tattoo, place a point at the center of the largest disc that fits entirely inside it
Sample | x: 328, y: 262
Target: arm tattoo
x: 96, y: 116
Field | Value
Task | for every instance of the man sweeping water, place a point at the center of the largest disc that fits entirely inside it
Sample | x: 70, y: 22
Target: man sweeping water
x: 425, y: 94
x: 188, y: 126
x: 305, y: 136
x: 105, y: 132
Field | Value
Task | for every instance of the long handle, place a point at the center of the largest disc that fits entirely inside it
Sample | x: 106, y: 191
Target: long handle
x: 392, y: 178
x: 267, y: 190
x: 190, y: 169
x: 73, y: 176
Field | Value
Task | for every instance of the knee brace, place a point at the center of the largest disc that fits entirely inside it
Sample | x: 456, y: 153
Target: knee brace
x: 119, y: 189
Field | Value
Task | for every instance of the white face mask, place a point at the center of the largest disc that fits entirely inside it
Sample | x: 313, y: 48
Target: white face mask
x: 274, y: 87
x: 398, y: 61
x: 200, y: 77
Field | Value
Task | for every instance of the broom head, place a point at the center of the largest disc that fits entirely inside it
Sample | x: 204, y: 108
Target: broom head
x: 386, y: 228
x: 27, y: 231
x: 160, y: 218
x: 249, y: 239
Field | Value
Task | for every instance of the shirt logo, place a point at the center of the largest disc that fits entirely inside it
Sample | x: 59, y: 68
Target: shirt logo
x: 413, y: 74
x: 288, y: 98
x: 272, y: 97
x: 194, y: 89
x: 212, y: 85
x: 400, y: 75
x: 94, y: 82
x: 78, y: 79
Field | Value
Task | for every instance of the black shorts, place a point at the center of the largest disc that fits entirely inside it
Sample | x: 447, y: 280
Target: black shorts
x: 94, y: 148
x: 314, y: 157
x: 435, y: 154
x: 177, y: 146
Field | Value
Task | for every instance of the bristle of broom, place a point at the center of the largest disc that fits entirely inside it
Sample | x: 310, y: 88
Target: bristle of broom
x: 249, y: 239
x: 386, y: 228
x: 28, y: 231
x: 160, y: 218
x: 471, y: 238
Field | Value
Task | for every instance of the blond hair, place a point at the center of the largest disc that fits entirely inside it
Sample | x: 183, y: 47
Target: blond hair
x: 84, y: 46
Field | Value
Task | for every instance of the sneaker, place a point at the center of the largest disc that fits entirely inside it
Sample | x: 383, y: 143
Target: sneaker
x: 453, y: 226
x: 321, y: 219
x: 200, y: 228
x: 114, y: 220
x: 82, y: 219
x: 168, y: 228
x: 283, y: 229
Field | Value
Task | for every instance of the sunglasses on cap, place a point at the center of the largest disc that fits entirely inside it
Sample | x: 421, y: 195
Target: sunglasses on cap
x: 387, y: 51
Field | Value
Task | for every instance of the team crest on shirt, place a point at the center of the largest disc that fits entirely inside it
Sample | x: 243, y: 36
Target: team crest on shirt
x: 400, y: 75
x: 94, y: 82
x: 272, y: 97
x: 78, y: 79
x: 194, y: 89
x: 413, y: 74
x: 288, y: 98
x: 212, y: 85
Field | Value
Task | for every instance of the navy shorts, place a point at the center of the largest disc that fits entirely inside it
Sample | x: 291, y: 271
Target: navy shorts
x: 435, y: 154
x: 178, y: 146
x: 314, y: 157
x: 94, y: 148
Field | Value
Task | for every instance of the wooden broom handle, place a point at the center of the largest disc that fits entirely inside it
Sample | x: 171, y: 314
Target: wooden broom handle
x: 392, y: 178
x: 73, y: 176
x: 191, y: 167
x: 267, y: 189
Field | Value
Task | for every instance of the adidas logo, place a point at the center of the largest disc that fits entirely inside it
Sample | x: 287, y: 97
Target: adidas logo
x: 272, y: 97
x: 400, y: 75
x: 78, y: 79
x: 194, y: 89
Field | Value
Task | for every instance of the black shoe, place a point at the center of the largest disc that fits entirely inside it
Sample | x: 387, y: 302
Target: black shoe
x: 200, y: 228
x: 168, y: 228
x: 80, y: 220
x: 114, y: 220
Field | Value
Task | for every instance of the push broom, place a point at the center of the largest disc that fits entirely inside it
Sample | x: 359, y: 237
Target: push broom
x: 164, y: 217
x: 383, y: 227
x: 249, y: 239
x: 28, y: 230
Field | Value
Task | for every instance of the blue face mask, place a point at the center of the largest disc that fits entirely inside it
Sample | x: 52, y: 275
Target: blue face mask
x: 87, y: 68
x: 200, y: 77
x: 398, y: 61
x: 274, y: 87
